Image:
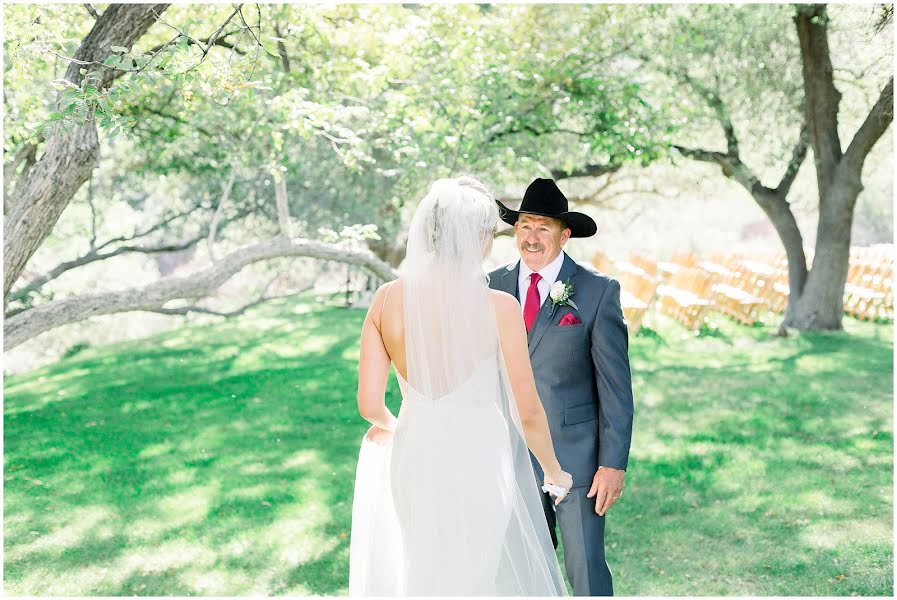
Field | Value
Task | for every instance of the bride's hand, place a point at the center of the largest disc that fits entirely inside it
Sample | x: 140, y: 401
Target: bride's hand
x: 562, y: 479
x: 378, y: 435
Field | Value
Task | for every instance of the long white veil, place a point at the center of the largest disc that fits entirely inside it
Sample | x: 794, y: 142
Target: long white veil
x: 462, y: 482
x: 449, y: 322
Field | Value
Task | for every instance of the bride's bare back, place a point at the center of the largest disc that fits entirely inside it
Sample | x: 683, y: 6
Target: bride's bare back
x: 383, y: 343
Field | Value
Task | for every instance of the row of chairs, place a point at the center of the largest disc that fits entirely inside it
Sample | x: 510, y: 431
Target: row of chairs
x: 742, y: 288
x: 868, y: 293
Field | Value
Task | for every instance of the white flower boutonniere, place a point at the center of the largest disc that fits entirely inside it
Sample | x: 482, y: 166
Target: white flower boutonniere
x: 560, y: 295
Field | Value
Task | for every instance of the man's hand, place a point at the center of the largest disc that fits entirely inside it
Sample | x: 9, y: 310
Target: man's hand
x: 379, y: 435
x: 607, y: 487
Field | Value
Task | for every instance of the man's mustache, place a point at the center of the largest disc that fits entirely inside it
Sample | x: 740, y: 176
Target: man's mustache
x: 536, y: 248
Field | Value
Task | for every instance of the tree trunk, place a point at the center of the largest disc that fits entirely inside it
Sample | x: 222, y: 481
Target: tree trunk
x: 821, y: 303
x: 816, y: 297
x: 779, y: 212
x: 69, y: 158
x: 66, y: 164
x: 821, y: 97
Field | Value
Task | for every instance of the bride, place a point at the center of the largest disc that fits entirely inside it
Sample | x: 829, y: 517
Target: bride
x: 446, y: 501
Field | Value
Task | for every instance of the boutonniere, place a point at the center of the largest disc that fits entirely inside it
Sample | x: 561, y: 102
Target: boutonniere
x: 560, y: 295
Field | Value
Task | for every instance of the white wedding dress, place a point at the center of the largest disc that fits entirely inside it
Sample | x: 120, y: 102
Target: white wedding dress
x: 451, y: 506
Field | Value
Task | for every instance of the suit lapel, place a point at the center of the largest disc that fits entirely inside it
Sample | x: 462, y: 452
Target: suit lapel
x: 542, y: 319
x: 508, y: 282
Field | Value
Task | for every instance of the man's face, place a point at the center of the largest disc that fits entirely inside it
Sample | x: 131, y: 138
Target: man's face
x: 539, y: 239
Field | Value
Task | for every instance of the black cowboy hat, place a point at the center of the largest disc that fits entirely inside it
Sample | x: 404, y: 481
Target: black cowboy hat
x: 544, y: 198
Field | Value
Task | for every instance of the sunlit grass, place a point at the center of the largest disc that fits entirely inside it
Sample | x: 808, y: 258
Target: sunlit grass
x: 220, y: 459
x: 760, y: 465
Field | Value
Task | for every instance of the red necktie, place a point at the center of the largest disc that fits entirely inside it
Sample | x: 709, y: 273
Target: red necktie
x: 533, y: 302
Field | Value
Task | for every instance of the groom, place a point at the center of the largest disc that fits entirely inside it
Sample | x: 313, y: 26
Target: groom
x: 581, y: 366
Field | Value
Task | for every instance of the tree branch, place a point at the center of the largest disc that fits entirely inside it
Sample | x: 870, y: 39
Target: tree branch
x: 95, y: 47
x: 27, y: 153
x: 157, y: 49
x: 96, y: 254
x: 821, y: 96
x: 711, y: 97
x: 219, y: 211
x: 731, y: 167
x: 92, y: 257
x: 178, y: 119
x: 37, y: 320
x: 205, y: 43
x: 10, y: 167
x: 93, y: 216
x: 183, y: 310
x: 282, y: 49
x: 213, y: 39
x: 249, y: 28
x: 69, y: 158
x: 798, y: 154
x: 155, y: 227
x: 280, y: 199
x: 713, y: 100
x: 876, y: 123
x: 885, y: 17
x: 593, y: 170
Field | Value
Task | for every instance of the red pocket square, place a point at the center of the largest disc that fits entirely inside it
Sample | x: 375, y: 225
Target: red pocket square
x: 569, y: 319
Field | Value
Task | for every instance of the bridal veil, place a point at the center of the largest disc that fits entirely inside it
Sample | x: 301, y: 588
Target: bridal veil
x: 451, y: 506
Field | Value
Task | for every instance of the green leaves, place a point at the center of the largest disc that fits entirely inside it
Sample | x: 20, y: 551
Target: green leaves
x: 374, y: 102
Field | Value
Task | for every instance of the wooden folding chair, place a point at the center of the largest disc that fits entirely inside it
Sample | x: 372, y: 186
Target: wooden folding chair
x: 633, y: 311
x: 679, y: 262
x: 733, y: 301
x: 602, y: 262
x: 645, y: 264
x: 686, y: 297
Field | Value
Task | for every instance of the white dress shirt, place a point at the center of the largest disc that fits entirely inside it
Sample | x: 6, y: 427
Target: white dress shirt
x: 549, y: 275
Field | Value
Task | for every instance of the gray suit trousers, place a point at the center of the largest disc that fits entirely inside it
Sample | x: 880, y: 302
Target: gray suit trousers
x: 582, y: 531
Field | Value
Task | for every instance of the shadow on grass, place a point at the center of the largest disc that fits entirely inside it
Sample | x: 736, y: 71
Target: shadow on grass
x: 219, y: 459
x: 764, y: 471
x: 198, y: 444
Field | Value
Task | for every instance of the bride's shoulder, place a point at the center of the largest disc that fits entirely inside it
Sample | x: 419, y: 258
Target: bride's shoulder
x: 384, y: 289
x: 507, y: 312
x: 380, y: 296
x: 504, y: 302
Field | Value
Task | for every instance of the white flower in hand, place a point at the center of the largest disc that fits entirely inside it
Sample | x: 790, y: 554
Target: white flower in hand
x: 561, y: 481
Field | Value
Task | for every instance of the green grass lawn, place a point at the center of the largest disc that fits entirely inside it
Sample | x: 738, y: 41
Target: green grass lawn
x: 220, y: 459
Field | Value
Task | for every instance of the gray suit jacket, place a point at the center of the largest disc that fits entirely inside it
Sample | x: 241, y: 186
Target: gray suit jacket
x: 582, y: 371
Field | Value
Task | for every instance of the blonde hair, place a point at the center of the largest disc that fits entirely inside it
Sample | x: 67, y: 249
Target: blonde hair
x: 456, y: 206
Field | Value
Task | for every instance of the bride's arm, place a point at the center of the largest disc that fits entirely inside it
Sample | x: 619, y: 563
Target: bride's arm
x: 373, y: 370
x: 512, y: 334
